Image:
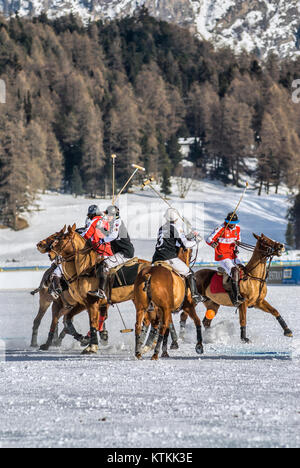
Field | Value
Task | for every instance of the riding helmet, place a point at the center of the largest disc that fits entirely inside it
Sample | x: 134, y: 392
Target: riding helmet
x: 171, y: 215
x: 94, y: 210
x: 112, y: 211
x: 232, y: 218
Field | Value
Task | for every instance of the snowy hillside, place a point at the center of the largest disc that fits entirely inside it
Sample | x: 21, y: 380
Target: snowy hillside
x: 206, y: 206
x: 262, y: 26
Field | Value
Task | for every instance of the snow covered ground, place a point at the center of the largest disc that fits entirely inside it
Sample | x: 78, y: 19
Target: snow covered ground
x: 62, y: 399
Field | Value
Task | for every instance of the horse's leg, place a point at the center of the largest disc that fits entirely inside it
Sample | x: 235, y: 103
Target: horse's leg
x: 266, y: 307
x: 166, y: 320
x: 183, y: 319
x: 165, y: 353
x: 145, y: 328
x: 56, y: 314
x: 102, y: 327
x: 210, y: 305
x: 140, y: 313
x: 174, y: 344
x: 191, y: 311
x: 243, y: 322
x: 93, y: 311
x: 151, y: 339
x: 45, y: 302
x: 69, y: 327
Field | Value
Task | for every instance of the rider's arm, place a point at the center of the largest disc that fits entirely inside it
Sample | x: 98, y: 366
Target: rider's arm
x: 89, y: 230
x: 212, y: 239
x: 113, y: 235
x: 188, y: 244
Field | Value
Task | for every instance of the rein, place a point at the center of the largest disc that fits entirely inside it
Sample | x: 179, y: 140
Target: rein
x: 266, y: 256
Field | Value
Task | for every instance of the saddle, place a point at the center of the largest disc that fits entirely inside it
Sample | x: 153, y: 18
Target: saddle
x: 124, y: 275
x: 222, y: 283
x: 168, y: 267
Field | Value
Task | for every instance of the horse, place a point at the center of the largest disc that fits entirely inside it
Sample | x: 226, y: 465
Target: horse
x: 253, y: 286
x: 78, y: 264
x: 166, y: 290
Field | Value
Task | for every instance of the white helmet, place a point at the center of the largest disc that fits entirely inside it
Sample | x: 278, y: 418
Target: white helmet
x: 171, y: 215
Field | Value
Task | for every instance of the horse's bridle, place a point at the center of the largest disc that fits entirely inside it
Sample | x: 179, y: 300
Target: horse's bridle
x: 268, y: 254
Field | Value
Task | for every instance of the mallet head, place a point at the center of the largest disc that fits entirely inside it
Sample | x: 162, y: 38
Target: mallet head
x: 140, y: 168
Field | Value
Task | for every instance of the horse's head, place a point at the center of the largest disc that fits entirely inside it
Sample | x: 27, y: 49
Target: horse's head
x: 44, y: 246
x: 185, y: 255
x: 63, y: 244
x: 268, y: 247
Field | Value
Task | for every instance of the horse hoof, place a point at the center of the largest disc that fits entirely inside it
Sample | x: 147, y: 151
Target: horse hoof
x: 246, y: 340
x: 174, y: 345
x: 165, y: 354
x: 138, y: 356
x: 44, y: 347
x: 34, y: 345
x: 199, y: 348
x: 288, y: 333
x: 93, y: 349
x: 154, y: 357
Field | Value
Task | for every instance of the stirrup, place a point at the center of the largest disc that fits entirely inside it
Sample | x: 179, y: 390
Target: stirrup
x: 98, y: 293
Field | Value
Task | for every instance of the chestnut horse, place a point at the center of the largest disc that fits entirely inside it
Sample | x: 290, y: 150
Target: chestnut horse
x: 167, y: 291
x: 77, y: 261
x: 253, y: 285
x: 58, y: 305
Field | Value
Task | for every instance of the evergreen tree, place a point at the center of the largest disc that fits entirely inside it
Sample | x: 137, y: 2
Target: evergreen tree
x: 166, y: 183
x: 173, y: 150
x: 76, y: 182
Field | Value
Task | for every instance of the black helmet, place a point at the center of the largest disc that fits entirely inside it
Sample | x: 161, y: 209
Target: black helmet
x: 232, y: 218
x: 93, y: 210
x: 112, y: 211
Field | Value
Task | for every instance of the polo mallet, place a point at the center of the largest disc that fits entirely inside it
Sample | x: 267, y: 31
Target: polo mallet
x: 185, y: 221
x: 113, y: 156
x: 125, y: 329
x: 237, y: 206
x: 137, y: 168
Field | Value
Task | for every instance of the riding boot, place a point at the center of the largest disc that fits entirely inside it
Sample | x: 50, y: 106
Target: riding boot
x: 237, y: 298
x: 55, y: 288
x: 191, y: 281
x: 103, y: 279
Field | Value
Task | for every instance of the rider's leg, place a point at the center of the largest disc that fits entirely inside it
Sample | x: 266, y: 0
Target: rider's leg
x: 102, y: 276
x: 235, y: 275
x: 185, y: 271
x: 56, y: 281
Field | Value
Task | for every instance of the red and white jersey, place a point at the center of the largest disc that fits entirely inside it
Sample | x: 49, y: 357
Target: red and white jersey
x: 93, y: 231
x: 226, y: 239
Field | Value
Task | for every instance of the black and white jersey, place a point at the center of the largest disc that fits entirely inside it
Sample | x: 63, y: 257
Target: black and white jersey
x: 119, y: 239
x: 170, y: 239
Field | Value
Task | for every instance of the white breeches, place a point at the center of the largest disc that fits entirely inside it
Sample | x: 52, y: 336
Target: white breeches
x: 57, y: 272
x: 115, y: 260
x: 179, y: 266
x: 228, y: 264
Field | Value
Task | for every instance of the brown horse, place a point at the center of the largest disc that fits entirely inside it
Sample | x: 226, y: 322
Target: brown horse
x: 60, y: 306
x: 78, y: 264
x: 167, y: 291
x: 253, y: 285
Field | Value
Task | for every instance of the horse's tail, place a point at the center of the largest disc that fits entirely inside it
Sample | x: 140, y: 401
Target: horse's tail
x: 147, y: 286
x: 35, y: 291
